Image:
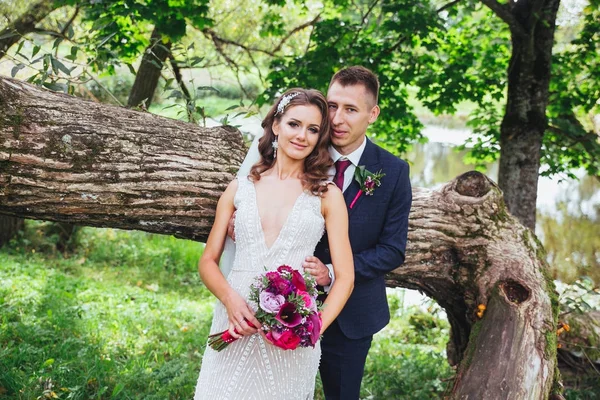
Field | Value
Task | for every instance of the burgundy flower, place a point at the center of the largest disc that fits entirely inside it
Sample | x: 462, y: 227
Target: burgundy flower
x: 288, y: 315
x: 314, y: 319
x: 369, y: 184
x: 272, y: 275
x: 298, y: 281
x: 285, y: 268
x: 280, y: 286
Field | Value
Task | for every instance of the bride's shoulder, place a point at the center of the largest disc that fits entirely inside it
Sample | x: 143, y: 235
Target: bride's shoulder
x: 332, y: 194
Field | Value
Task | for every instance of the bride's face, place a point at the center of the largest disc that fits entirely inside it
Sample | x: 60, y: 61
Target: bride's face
x: 298, y: 131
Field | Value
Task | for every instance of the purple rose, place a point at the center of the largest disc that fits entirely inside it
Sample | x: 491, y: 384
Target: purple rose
x: 288, y: 315
x: 270, y: 302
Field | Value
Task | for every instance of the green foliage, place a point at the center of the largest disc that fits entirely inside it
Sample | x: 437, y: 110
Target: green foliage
x: 119, y: 28
x: 451, y: 55
x: 408, y: 359
x: 572, y: 140
x: 346, y: 39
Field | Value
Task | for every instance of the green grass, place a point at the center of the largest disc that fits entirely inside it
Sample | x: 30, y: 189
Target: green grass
x: 124, y: 316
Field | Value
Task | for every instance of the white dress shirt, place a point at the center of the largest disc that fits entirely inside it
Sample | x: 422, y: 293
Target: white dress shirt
x: 354, y: 158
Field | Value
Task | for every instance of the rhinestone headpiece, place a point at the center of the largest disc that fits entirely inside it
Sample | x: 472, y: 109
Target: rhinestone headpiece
x: 285, y: 100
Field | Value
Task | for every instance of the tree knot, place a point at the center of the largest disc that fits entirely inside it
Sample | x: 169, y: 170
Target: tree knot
x: 514, y: 291
x: 472, y: 184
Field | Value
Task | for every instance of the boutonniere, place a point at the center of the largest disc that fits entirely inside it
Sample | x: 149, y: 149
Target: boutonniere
x: 367, y: 180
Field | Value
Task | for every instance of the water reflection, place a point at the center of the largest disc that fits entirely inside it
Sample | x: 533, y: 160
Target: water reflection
x: 433, y: 164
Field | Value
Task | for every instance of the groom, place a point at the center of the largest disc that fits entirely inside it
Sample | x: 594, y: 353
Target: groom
x: 378, y: 227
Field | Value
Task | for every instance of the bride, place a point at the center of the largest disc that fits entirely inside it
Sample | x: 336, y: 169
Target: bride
x: 283, y: 207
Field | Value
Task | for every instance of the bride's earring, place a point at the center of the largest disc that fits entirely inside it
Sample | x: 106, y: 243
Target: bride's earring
x: 275, y: 147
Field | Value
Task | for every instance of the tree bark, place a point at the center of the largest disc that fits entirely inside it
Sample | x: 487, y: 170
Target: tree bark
x: 69, y: 160
x: 532, y: 25
x: 9, y: 226
x: 25, y: 23
x: 148, y: 74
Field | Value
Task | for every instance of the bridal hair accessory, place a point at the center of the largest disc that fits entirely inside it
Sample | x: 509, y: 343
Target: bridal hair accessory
x: 285, y: 100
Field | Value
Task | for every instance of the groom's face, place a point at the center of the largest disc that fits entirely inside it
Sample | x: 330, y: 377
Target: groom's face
x: 351, y: 110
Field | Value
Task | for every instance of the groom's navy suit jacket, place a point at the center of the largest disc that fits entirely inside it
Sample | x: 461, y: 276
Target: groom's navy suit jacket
x: 378, y: 227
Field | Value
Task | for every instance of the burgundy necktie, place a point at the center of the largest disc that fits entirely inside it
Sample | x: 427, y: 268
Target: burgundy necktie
x: 340, y: 167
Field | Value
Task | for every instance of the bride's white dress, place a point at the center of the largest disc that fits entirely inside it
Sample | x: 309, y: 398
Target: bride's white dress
x: 251, y: 368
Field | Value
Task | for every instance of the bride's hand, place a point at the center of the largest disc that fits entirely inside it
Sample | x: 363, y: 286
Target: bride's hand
x: 264, y: 336
x: 241, y: 317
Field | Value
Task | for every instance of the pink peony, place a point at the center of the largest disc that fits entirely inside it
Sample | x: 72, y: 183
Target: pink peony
x: 308, y: 301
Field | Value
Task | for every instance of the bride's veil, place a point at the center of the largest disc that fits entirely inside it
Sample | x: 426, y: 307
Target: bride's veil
x: 229, y: 250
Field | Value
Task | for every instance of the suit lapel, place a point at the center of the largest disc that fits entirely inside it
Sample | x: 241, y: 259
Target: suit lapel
x: 370, y: 160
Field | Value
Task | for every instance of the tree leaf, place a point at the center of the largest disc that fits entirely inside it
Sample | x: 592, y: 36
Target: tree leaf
x: 20, y: 47
x: 131, y: 69
x: 57, y: 87
x: 56, y: 64
x: 106, y: 39
x: 9, y: 35
x: 16, y: 69
x: 57, y: 42
x: 36, y: 49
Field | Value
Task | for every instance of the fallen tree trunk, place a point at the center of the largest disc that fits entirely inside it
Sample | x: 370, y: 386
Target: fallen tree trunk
x: 68, y: 160
x: 65, y: 159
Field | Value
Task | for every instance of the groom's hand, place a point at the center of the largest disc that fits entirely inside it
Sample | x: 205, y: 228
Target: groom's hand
x: 317, y: 269
x: 231, y: 227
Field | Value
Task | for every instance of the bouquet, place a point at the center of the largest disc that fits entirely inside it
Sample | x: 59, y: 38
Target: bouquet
x: 286, y: 306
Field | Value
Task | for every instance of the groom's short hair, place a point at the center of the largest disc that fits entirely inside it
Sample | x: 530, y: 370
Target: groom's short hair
x: 358, y: 75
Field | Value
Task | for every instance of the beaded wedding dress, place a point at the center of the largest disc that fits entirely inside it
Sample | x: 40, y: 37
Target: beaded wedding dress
x: 251, y: 368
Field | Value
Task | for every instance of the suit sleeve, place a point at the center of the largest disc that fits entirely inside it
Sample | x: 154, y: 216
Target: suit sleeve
x: 389, y: 252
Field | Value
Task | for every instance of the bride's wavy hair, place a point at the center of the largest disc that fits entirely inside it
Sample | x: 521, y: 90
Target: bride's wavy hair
x: 318, y: 162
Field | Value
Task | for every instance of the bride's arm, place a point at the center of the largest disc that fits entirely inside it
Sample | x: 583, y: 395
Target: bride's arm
x: 237, y: 308
x: 336, y: 223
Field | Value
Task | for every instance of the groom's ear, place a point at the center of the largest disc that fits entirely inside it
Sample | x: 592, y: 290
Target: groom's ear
x: 374, y: 114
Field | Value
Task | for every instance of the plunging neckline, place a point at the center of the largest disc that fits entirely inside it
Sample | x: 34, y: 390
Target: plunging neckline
x: 283, y: 227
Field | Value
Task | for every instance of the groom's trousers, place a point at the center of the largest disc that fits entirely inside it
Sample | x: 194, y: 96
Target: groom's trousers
x: 342, y: 363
